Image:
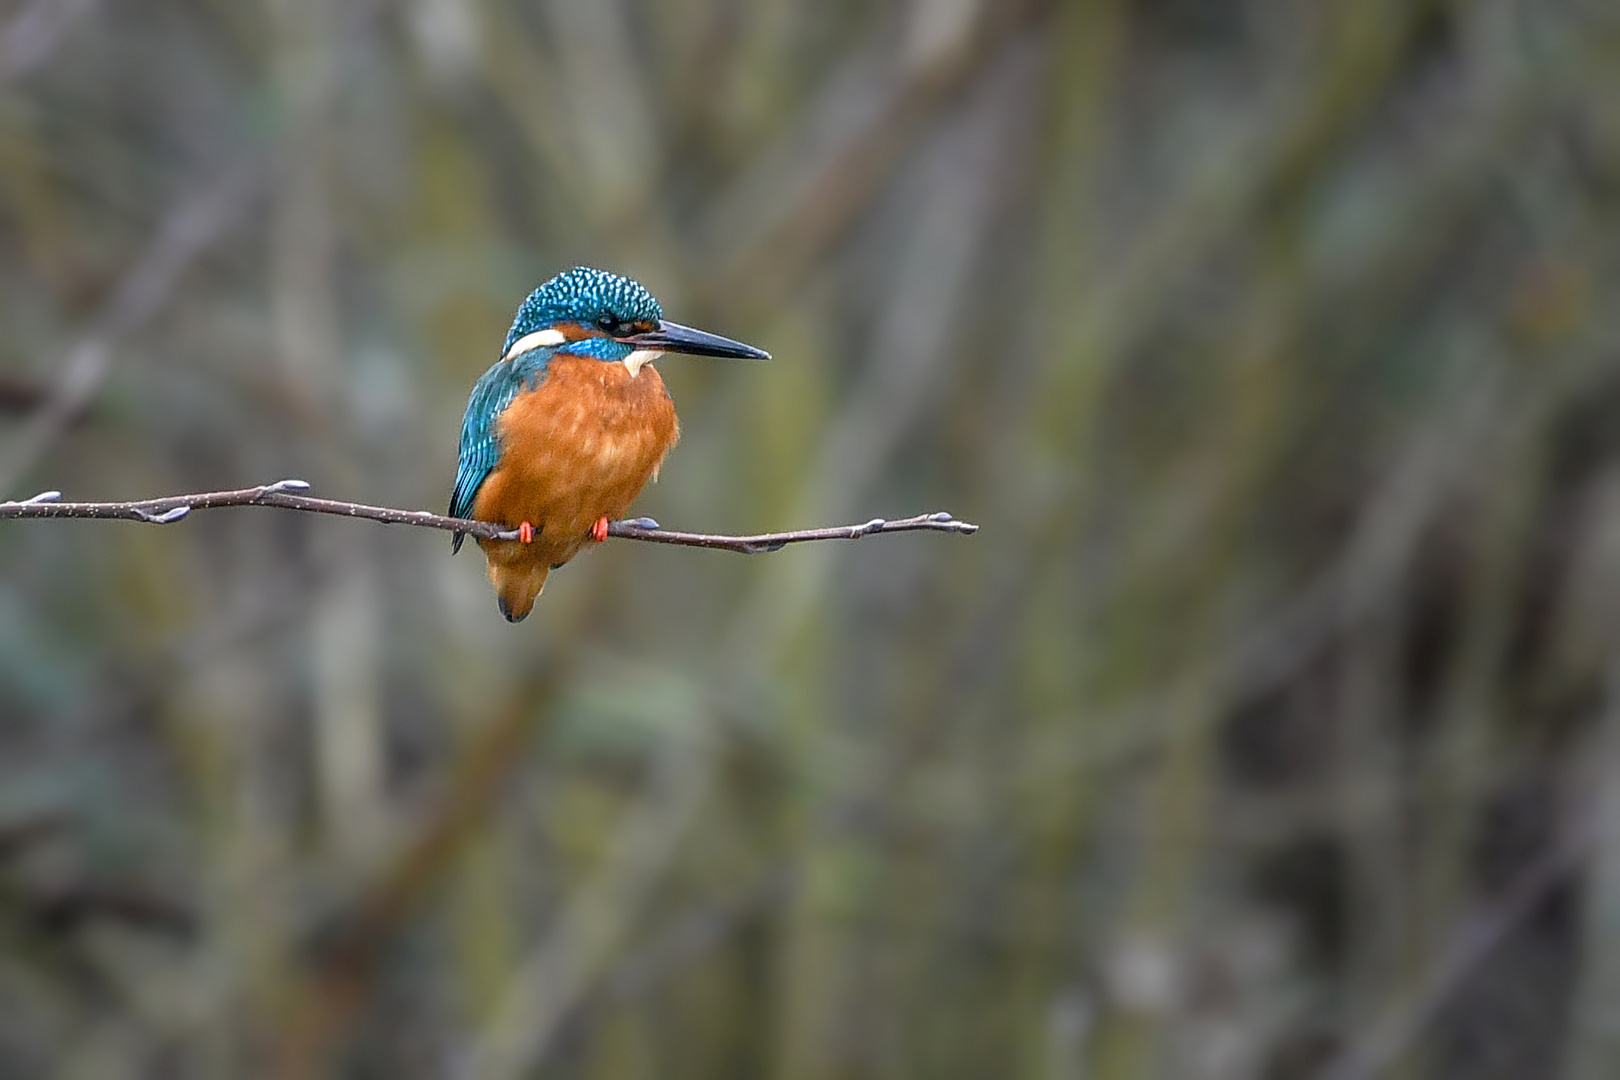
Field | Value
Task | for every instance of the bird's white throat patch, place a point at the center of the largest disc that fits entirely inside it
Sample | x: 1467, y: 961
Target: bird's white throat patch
x: 540, y: 339
x: 641, y: 356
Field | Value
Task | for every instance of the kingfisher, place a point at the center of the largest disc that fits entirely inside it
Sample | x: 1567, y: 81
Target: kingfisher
x: 569, y: 424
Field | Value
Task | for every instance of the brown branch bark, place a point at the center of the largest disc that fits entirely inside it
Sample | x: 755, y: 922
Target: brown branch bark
x: 282, y: 494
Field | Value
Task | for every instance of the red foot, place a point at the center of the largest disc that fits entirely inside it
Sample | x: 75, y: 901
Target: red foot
x: 599, y: 530
x: 526, y: 533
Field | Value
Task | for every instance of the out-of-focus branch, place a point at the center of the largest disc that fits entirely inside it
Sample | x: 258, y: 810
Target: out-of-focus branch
x: 171, y: 508
x: 33, y: 35
x: 1366, y: 1055
x: 192, y: 226
x: 348, y: 948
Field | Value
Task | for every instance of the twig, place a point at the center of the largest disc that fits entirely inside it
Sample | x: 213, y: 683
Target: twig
x: 171, y: 508
x: 648, y: 529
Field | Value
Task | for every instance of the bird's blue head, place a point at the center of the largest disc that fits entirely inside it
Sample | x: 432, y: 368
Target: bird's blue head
x: 592, y: 313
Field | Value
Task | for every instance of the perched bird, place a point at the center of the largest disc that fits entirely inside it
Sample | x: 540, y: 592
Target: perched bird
x: 570, y: 424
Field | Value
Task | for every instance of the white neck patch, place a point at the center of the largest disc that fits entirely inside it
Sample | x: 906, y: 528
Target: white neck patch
x: 641, y: 356
x: 540, y: 339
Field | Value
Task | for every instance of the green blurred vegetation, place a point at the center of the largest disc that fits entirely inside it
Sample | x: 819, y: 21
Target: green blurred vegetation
x: 1265, y: 730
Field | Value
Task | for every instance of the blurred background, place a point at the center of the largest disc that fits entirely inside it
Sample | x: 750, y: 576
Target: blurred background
x: 1269, y: 727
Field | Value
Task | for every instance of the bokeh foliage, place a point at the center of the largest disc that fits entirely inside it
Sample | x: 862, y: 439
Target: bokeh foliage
x: 1266, y: 729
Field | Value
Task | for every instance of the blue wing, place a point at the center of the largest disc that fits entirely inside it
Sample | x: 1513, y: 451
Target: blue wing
x: 480, y: 443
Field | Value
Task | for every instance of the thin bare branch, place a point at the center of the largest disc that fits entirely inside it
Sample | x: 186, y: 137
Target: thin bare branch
x: 171, y: 508
x: 647, y: 529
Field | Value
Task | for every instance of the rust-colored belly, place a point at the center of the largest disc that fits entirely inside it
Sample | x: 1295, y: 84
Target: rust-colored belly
x: 579, y: 447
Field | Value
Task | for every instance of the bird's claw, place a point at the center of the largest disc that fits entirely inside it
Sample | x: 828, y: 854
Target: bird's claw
x: 599, y: 531
x: 526, y: 533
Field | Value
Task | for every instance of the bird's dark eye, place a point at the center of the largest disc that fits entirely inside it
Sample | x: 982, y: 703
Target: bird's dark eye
x: 610, y: 324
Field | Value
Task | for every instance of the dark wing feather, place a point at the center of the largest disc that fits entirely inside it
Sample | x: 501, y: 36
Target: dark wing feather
x: 480, y: 443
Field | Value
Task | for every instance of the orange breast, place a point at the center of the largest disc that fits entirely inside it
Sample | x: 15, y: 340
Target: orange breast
x: 580, y: 446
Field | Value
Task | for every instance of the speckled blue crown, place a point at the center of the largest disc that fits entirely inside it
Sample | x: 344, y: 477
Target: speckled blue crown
x: 583, y: 295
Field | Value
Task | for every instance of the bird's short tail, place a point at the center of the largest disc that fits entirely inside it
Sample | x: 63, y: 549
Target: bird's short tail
x: 517, y: 586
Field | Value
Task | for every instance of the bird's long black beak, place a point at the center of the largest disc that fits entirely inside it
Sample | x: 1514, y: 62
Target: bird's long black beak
x: 675, y: 338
